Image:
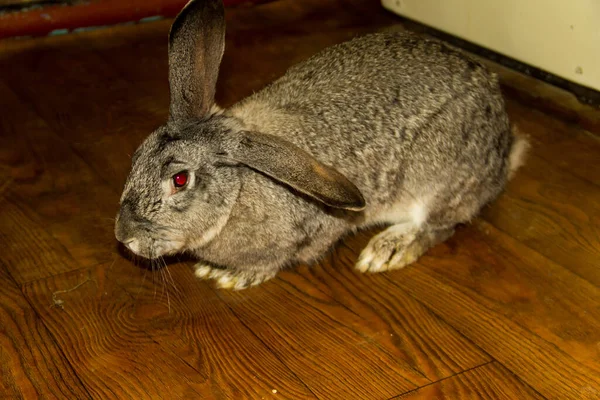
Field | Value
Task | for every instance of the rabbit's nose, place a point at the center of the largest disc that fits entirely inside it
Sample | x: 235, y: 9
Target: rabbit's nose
x: 121, y: 232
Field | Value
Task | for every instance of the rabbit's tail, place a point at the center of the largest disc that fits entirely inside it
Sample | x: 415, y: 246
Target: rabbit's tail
x: 518, y: 152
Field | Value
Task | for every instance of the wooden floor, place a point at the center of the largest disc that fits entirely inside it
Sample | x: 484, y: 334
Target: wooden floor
x: 508, y: 308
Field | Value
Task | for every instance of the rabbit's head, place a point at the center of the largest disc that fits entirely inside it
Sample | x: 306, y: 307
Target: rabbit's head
x: 185, y: 176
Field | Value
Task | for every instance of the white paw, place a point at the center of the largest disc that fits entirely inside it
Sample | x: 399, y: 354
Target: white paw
x: 228, y: 281
x: 223, y: 277
x: 390, y: 249
x: 372, y: 260
x: 231, y: 279
x: 236, y: 281
x: 202, y: 270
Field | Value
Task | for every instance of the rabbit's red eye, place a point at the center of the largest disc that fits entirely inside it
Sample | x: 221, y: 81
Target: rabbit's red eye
x: 180, y: 179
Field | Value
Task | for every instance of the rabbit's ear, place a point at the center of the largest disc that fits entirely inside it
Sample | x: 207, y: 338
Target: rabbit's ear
x: 196, y: 45
x: 288, y: 164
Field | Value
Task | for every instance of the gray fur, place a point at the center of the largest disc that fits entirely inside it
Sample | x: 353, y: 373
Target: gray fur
x: 412, y: 124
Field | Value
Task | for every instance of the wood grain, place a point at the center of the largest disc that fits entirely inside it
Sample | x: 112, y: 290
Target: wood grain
x: 490, y: 381
x: 92, y: 321
x: 558, y: 142
x: 31, y: 251
x: 31, y: 364
x: 186, y: 317
x: 392, y: 319
x: 52, y: 199
x: 533, y: 316
x: 307, y: 330
x: 555, y: 213
x: 101, y: 116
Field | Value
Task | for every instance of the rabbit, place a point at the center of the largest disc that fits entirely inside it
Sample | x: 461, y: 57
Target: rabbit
x: 387, y: 129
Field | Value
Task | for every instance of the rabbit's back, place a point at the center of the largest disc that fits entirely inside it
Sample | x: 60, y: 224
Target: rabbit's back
x: 391, y: 111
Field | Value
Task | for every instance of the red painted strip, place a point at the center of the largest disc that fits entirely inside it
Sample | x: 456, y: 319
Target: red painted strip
x: 42, y: 21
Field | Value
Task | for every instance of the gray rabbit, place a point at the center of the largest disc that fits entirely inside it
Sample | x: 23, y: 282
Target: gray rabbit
x: 386, y: 129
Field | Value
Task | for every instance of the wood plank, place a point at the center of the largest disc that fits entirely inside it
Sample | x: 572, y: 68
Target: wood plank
x: 390, y: 318
x: 184, y: 315
x: 558, y: 142
x: 139, y: 55
x: 101, y: 116
x: 53, y: 197
x: 533, y: 316
x: 31, y: 251
x: 555, y: 213
x: 94, y: 328
x: 490, y: 381
x: 128, y: 345
x: 536, y: 292
x: 326, y: 345
x: 31, y: 365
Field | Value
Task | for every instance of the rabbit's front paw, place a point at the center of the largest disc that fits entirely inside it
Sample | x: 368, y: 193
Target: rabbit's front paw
x: 232, y: 279
x: 393, y: 248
